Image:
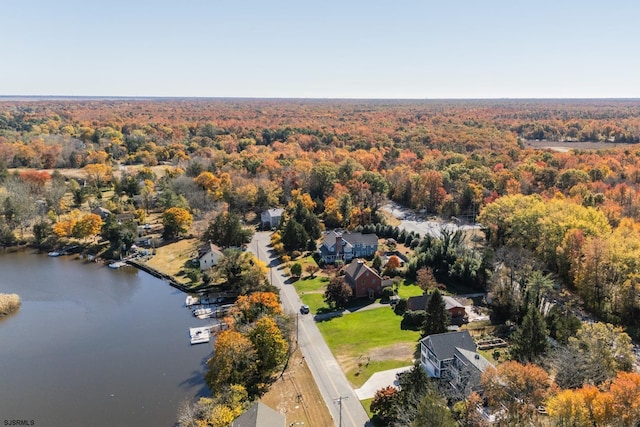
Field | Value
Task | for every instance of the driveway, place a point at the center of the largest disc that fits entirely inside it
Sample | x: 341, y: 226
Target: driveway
x: 336, y: 391
x: 379, y: 380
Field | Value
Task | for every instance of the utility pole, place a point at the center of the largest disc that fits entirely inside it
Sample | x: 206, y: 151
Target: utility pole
x: 339, y: 402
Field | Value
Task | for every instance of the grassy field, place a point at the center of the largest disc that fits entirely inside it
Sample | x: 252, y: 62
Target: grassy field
x: 406, y: 291
x: 363, y: 371
x: 170, y: 259
x: 317, y: 284
x: 357, y: 333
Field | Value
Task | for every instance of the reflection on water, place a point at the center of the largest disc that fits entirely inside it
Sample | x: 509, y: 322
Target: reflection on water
x: 94, y: 346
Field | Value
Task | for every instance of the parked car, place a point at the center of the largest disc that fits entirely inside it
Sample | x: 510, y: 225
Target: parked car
x: 304, y: 309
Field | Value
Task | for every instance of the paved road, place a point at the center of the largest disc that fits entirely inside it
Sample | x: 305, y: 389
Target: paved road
x: 324, y: 367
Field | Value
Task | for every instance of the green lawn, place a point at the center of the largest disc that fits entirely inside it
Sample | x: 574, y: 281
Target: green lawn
x: 357, y: 333
x: 359, y: 376
x: 411, y: 290
x: 366, y: 404
x: 311, y: 285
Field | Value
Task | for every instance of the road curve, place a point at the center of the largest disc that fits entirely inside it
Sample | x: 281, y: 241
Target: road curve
x: 331, y: 381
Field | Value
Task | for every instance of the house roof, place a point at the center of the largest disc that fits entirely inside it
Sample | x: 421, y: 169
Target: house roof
x: 445, y: 345
x: 357, y: 268
x: 209, y: 247
x: 420, y: 302
x: 450, y: 302
x: 473, y: 359
x: 274, y: 212
x: 260, y: 415
x: 350, y: 238
x: 101, y: 211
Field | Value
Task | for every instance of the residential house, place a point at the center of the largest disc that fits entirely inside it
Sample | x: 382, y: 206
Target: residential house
x: 260, y: 415
x: 271, y: 217
x: 123, y: 218
x: 209, y: 255
x: 364, y: 280
x: 453, y: 357
x: 338, y: 246
x: 457, y: 311
x: 101, y: 212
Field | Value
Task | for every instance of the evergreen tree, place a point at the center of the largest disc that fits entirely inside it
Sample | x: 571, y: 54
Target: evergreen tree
x: 530, y: 339
x: 226, y: 230
x: 294, y: 236
x: 436, y: 318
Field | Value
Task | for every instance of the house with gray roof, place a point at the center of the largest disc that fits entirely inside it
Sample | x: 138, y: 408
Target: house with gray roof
x: 339, y: 246
x: 271, y: 217
x: 452, y: 357
x: 260, y: 415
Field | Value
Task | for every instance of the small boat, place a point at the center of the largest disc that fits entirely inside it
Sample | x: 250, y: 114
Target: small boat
x: 203, y: 313
x: 191, y: 300
x: 54, y: 253
x: 117, y: 264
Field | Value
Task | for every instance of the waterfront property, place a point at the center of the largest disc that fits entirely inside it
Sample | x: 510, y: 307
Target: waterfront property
x: 209, y: 255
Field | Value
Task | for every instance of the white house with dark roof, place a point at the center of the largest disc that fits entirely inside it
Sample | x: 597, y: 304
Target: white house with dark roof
x: 338, y: 246
x: 209, y: 255
x: 271, y: 217
x: 452, y: 356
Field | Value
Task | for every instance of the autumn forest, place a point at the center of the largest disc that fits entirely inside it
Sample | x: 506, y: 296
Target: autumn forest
x: 559, y: 217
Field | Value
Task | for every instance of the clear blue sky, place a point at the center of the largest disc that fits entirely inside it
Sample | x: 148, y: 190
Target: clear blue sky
x: 321, y: 49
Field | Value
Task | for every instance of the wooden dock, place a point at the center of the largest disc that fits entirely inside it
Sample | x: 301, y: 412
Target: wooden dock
x: 202, y: 334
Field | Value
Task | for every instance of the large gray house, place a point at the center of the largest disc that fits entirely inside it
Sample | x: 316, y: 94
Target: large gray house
x: 452, y: 356
x: 338, y: 246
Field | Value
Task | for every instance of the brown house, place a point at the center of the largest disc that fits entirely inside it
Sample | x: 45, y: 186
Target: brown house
x: 363, y: 280
x: 456, y: 310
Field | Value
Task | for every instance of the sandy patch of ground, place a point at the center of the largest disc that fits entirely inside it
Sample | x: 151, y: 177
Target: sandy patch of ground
x: 297, y: 397
x: 393, y: 352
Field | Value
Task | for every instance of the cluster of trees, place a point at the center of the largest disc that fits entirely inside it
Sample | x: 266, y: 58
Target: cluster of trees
x: 451, y: 259
x: 578, y: 243
x: 245, y: 358
x: 254, y: 347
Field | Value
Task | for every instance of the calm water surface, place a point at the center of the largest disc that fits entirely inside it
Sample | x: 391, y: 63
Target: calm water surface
x: 92, y: 346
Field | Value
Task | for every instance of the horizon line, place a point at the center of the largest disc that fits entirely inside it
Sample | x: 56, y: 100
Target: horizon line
x: 154, y: 97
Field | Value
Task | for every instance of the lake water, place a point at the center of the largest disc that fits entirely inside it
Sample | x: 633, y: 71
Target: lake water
x: 92, y: 346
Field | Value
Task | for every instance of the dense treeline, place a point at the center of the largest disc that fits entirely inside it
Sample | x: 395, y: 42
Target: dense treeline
x: 554, y: 221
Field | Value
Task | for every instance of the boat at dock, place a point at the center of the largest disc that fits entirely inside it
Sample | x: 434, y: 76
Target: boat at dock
x: 117, y: 264
x: 203, y: 313
x: 191, y: 300
x: 200, y: 335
